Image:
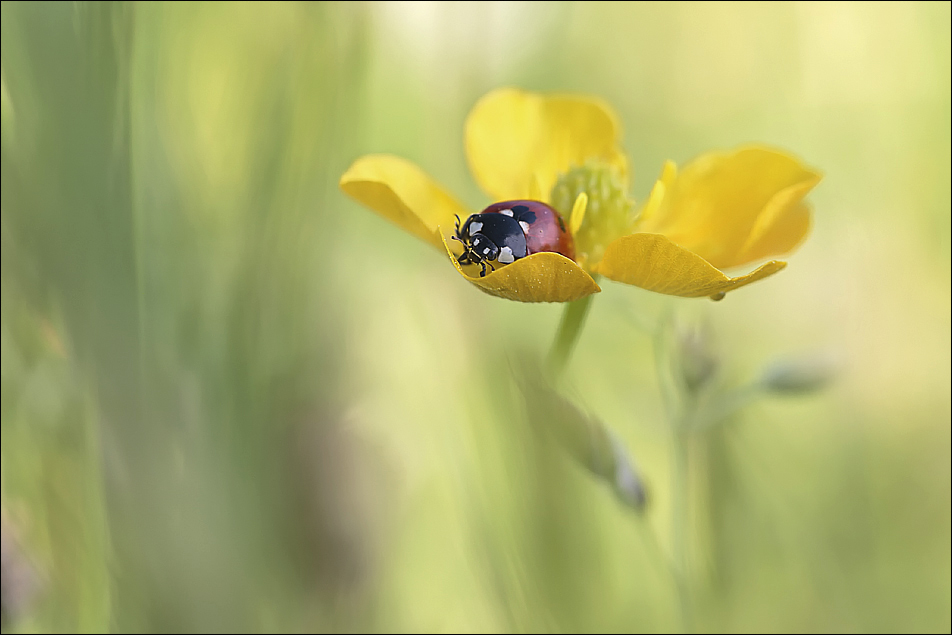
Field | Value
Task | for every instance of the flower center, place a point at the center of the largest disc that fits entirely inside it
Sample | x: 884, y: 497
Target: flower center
x: 610, y: 214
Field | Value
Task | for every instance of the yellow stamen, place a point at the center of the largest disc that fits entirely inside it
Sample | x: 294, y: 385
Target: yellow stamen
x: 668, y: 173
x: 578, y: 212
x: 653, y: 202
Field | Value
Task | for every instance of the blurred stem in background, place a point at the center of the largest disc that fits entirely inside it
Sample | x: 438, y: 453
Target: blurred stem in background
x: 681, y: 401
x: 166, y: 171
x: 588, y: 440
x: 680, y: 521
x: 687, y: 369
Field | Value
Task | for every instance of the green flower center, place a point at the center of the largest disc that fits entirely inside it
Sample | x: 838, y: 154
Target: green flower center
x: 610, y: 213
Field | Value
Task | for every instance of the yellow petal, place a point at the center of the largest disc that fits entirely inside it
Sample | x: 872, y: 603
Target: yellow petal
x: 779, y: 230
x: 734, y: 208
x: 516, y: 138
x: 401, y: 192
x: 542, y: 277
x: 653, y: 262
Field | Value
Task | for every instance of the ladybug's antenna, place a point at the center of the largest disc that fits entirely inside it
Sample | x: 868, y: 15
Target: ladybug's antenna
x: 467, y: 257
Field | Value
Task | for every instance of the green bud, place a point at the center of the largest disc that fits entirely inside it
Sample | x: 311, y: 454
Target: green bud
x: 586, y: 439
x: 798, y: 376
x: 697, y: 362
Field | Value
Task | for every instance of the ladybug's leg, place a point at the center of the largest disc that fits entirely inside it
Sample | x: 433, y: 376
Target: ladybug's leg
x: 463, y: 258
x: 483, y: 272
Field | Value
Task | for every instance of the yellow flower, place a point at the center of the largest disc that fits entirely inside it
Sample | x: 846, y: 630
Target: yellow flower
x: 723, y: 210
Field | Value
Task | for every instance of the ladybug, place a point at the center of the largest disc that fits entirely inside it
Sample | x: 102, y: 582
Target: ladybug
x: 507, y: 231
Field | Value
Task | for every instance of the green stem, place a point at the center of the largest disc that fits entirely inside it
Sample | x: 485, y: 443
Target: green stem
x: 662, y: 364
x: 727, y: 406
x: 679, y: 524
x: 683, y: 418
x: 573, y: 317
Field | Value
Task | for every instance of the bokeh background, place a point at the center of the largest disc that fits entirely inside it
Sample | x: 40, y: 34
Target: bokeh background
x: 234, y: 399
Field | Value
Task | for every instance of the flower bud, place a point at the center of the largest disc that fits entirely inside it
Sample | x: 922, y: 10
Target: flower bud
x: 586, y: 439
x: 697, y: 362
x: 627, y: 483
x: 798, y: 376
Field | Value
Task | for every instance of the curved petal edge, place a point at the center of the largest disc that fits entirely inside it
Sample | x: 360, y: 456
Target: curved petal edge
x: 655, y: 263
x: 542, y: 277
x: 403, y: 193
x: 735, y: 207
x: 518, y: 142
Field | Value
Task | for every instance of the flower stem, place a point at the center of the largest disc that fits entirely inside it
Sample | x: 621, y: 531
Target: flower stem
x: 570, y: 327
x: 682, y: 417
x: 679, y: 525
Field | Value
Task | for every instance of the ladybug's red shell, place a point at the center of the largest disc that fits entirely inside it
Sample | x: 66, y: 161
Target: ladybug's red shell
x: 545, y: 230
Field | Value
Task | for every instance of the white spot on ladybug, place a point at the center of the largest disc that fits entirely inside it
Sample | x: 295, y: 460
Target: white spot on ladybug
x: 506, y: 212
x: 506, y: 256
x: 486, y: 251
x: 474, y: 227
x: 524, y: 225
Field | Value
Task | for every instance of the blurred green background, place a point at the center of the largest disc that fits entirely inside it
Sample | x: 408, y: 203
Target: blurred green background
x: 234, y: 399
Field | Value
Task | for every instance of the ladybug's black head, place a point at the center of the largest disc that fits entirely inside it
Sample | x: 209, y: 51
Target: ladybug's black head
x: 477, y: 248
x: 481, y: 248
